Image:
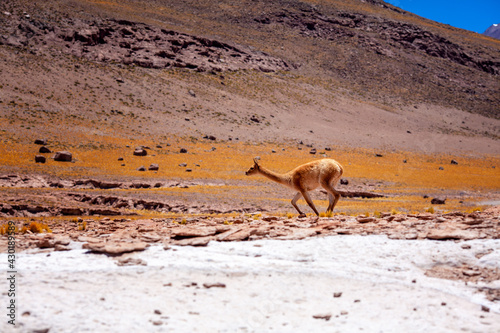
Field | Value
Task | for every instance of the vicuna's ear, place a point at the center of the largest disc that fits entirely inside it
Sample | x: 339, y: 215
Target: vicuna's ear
x: 255, y: 161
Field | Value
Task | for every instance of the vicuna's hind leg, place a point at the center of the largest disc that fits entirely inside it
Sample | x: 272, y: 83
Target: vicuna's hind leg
x: 333, y: 196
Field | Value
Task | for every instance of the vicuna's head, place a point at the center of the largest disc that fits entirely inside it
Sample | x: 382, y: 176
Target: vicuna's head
x: 254, y: 169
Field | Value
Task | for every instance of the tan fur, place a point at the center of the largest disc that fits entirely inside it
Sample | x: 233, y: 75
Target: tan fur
x: 306, y: 177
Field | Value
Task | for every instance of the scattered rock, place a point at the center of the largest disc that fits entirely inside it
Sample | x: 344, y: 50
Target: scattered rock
x: 344, y: 181
x: 438, y: 201
x: 193, y: 232
x: 313, y: 151
x: 40, y: 159
x: 337, y: 294
x: 154, y: 167
x: 131, y: 262
x: 45, y: 243
x: 44, y: 150
x: 141, y: 168
x: 192, y: 93
x: 113, y: 248
x: 365, y: 219
x: 41, y: 142
x: 140, y: 152
x: 70, y: 211
x: 183, y: 151
x: 196, y: 241
x: 63, y: 156
x: 471, y: 272
x: 60, y: 247
x: 438, y: 234
x: 454, y: 162
x: 214, y: 285
x: 325, y: 316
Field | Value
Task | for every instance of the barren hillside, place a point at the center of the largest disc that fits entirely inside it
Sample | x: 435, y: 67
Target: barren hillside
x: 353, y: 73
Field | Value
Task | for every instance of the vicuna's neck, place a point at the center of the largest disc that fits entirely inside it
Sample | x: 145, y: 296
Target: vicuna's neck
x: 274, y: 176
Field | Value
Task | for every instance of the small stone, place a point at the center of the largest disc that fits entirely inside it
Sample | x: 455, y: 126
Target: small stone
x: 120, y: 158
x: 40, y: 159
x: 313, y: 151
x: 158, y: 312
x: 154, y: 167
x: 325, y: 316
x: 438, y: 201
x: 454, y: 162
x: 44, y: 150
x: 63, y: 156
x: 337, y: 294
x: 438, y: 234
x: 41, y: 142
x: 157, y: 322
x: 140, y: 152
x: 470, y: 272
x: 344, y: 181
x: 40, y: 330
x: 192, y: 93
x: 115, y: 248
x: 485, y: 308
x: 364, y: 219
x: 183, y: 151
x: 131, y: 262
x: 45, y: 243
x: 214, y: 285
x: 61, y: 247
x: 141, y: 168
x: 195, y: 241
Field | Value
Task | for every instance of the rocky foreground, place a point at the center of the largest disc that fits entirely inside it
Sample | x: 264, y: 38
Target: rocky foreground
x: 116, y: 236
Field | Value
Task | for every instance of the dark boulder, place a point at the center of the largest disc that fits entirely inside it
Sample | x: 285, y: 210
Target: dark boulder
x: 63, y: 156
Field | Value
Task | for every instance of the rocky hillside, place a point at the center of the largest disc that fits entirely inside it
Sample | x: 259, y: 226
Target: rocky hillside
x: 325, y: 55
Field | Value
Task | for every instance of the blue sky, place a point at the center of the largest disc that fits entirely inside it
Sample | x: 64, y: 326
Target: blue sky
x: 474, y: 15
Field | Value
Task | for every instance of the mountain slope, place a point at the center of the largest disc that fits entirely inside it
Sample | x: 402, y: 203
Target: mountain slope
x: 493, y: 31
x: 344, y: 71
